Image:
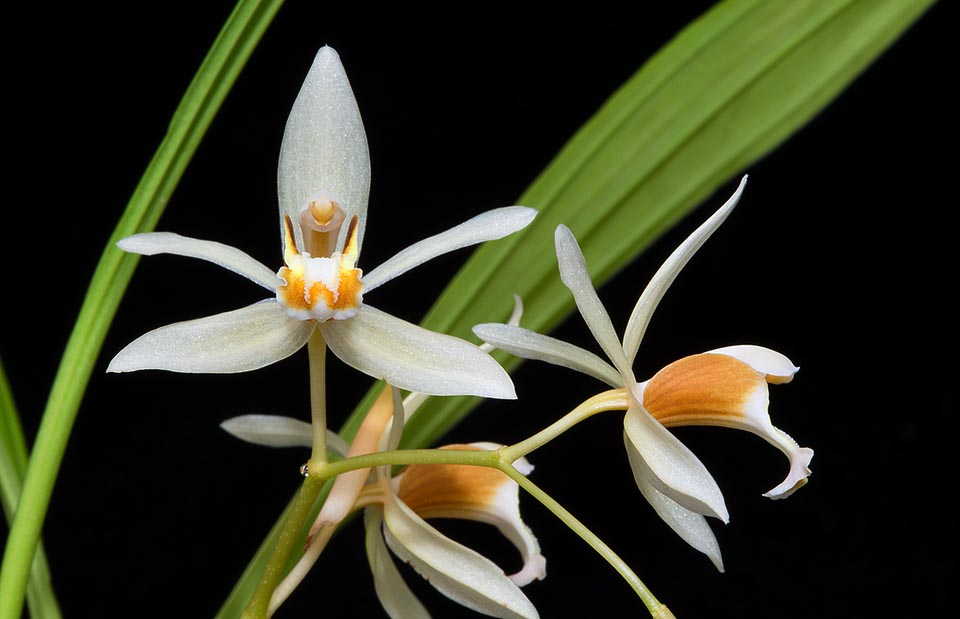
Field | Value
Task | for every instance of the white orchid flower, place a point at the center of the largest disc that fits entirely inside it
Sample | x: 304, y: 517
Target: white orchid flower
x: 395, y: 513
x: 723, y: 387
x: 323, y: 181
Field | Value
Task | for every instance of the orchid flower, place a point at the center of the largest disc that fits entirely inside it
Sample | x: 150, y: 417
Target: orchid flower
x: 723, y: 387
x: 395, y: 509
x: 323, y: 183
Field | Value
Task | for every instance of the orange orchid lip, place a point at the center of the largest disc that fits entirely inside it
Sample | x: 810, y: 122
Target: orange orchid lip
x: 322, y: 288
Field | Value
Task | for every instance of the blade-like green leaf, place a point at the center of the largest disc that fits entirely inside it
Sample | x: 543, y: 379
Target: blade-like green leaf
x: 199, y: 105
x: 723, y: 93
x: 13, y: 465
x: 726, y: 91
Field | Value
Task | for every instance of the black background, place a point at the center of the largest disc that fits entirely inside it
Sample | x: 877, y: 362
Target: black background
x: 841, y: 256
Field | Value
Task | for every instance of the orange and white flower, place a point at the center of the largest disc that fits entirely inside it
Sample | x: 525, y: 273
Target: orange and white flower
x: 395, y: 513
x: 323, y: 185
x: 724, y: 387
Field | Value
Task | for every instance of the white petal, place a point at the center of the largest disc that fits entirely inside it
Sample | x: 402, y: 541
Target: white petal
x: 514, y: 320
x: 691, y: 527
x: 532, y: 345
x: 454, y: 570
x: 238, y: 341
x: 279, y: 431
x: 414, y: 358
x: 475, y: 493
x: 573, y: 272
x: 395, y: 596
x: 153, y: 243
x: 670, y: 466
x: 653, y: 293
x: 324, y: 146
x: 776, y: 367
x: 488, y: 226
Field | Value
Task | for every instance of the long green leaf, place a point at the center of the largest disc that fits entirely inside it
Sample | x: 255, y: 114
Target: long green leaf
x: 727, y: 90
x: 13, y: 465
x: 199, y: 105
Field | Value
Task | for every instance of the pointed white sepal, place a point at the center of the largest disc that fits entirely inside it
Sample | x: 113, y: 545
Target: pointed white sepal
x: 459, y: 573
x: 488, y: 226
x: 663, y: 278
x: 395, y: 596
x: 324, y: 147
x: 279, y: 431
x: 670, y: 466
x: 691, y: 527
x: 231, y: 258
x: 238, y: 341
x: 414, y: 358
x: 529, y: 344
x: 574, y: 274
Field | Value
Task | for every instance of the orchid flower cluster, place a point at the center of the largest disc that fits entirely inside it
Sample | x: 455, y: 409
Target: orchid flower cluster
x: 318, y: 299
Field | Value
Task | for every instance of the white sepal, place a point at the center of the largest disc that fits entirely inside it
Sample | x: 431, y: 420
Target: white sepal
x: 231, y: 258
x: 414, y: 358
x: 324, y: 147
x: 454, y: 570
x: 691, y: 527
x: 532, y: 345
x: 395, y: 596
x: 488, y: 226
x: 239, y: 341
x: 574, y: 274
x: 775, y: 366
x: 670, y: 466
x: 660, y: 282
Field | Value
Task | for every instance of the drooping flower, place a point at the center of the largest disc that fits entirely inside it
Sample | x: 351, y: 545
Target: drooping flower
x: 323, y: 184
x: 723, y: 387
x: 395, y: 513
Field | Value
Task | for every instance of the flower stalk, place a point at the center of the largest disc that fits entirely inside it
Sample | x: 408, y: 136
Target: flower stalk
x: 317, y: 352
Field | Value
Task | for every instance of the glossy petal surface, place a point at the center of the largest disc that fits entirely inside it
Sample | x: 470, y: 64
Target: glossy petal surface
x: 231, y: 258
x: 529, y: 344
x: 691, y: 527
x: 238, y: 341
x: 413, y: 358
x: 573, y: 272
x: 324, y: 146
x: 454, y: 570
x: 666, y: 274
x: 488, y: 226
x: 395, y: 596
x: 670, y: 466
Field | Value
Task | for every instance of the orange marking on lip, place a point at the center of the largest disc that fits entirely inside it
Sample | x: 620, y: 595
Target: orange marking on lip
x: 438, y: 490
x: 707, y: 389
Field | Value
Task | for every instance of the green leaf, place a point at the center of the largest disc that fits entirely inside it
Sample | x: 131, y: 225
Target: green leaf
x: 199, y: 105
x: 727, y: 90
x: 13, y: 466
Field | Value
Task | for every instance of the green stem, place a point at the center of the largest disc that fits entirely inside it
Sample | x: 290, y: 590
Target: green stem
x: 317, y: 350
x: 650, y: 601
x: 200, y: 103
x: 260, y: 602
x: 615, y: 399
x: 13, y: 464
x: 409, y: 456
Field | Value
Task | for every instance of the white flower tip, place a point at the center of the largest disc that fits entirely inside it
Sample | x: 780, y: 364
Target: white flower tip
x: 121, y: 363
x: 274, y: 431
x: 527, y: 215
x: 534, y: 568
x: 797, y: 478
